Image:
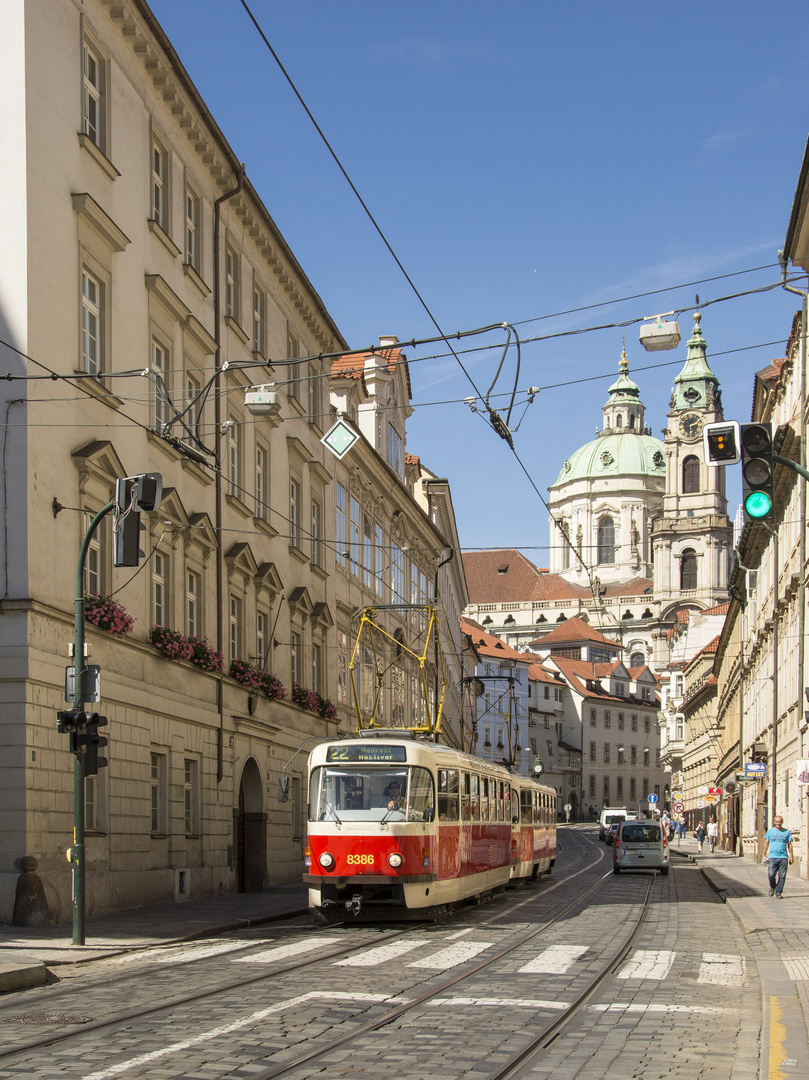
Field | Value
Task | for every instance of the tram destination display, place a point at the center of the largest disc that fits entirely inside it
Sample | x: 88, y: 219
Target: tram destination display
x: 367, y: 752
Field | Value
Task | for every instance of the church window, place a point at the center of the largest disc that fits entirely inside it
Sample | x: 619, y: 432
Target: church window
x: 691, y: 475
x: 688, y: 569
x: 606, y: 540
x: 565, y: 545
x: 619, y: 421
x: 637, y: 659
x: 632, y: 421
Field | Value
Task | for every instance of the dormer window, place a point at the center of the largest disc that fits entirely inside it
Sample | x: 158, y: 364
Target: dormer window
x: 395, y: 450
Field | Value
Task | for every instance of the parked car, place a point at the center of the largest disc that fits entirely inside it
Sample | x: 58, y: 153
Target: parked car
x: 612, y: 832
x: 640, y: 845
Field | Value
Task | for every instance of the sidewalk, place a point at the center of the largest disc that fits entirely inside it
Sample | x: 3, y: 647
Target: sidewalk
x: 27, y: 952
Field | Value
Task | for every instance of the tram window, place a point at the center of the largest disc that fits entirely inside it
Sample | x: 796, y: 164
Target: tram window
x: 475, y: 797
x: 484, y: 798
x: 526, y: 807
x: 447, y: 794
x: 466, y: 809
x: 421, y: 805
x: 513, y: 806
x: 498, y: 796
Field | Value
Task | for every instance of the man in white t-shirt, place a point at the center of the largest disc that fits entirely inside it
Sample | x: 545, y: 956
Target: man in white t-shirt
x: 713, y: 833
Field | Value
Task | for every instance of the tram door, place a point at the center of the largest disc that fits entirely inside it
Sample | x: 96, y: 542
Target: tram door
x: 250, y: 832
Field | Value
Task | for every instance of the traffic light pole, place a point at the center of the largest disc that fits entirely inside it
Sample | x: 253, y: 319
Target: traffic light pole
x: 792, y: 465
x: 77, y: 859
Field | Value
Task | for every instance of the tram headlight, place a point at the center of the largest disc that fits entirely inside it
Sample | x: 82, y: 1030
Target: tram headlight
x: 326, y: 861
x: 395, y: 860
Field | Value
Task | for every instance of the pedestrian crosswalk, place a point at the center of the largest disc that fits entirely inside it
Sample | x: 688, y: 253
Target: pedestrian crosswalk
x: 444, y: 952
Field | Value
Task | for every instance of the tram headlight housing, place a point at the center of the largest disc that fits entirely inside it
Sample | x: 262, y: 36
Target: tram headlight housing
x: 326, y: 861
x: 395, y: 860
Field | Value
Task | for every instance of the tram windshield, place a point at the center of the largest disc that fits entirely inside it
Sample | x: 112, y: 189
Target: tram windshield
x: 371, y: 793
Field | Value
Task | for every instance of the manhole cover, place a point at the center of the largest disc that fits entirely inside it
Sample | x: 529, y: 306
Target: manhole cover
x: 39, y: 1018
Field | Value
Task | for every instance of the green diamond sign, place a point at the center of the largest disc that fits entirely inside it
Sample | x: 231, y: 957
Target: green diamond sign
x: 340, y: 438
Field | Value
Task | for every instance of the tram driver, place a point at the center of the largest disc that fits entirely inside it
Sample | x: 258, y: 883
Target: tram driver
x: 391, y: 797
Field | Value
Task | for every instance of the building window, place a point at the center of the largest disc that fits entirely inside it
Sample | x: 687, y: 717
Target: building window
x: 633, y: 755
x: 293, y: 352
x: 633, y: 723
x: 637, y: 659
x: 160, y: 589
x: 379, y: 554
x: 92, y: 301
x: 294, y: 512
x: 340, y: 553
x: 193, y: 595
x: 262, y: 626
x: 316, y: 411
x: 317, y: 533
x: 158, y: 776
x: 317, y: 668
x: 192, y: 412
x: 234, y: 452
x: 607, y: 718
x: 94, y: 95
x: 368, y: 552
x: 160, y: 370
x: 397, y: 584
x: 646, y: 724
x: 232, y: 285
x: 632, y: 791
x: 606, y: 540
x: 94, y: 564
x: 606, y: 753
x: 605, y: 795
x: 354, y: 539
x: 193, y: 237
x: 619, y: 788
x: 394, y: 450
x: 688, y: 569
x: 160, y: 185
x: 593, y: 751
x: 262, y: 481
x: 592, y: 787
x: 259, y: 320
x: 621, y: 757
x: 593, y: 716
x: 646, y: 759
x: 191, y: 796
x: 620, y: 721
x: 690, y: 475
x: 235, y: 622
x: 295, y: 649
x: 342, y: 668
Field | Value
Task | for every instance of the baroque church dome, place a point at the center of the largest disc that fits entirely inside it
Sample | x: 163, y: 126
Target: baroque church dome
x: 615, y: 453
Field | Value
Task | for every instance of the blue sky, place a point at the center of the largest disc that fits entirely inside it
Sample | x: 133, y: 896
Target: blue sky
x: 522, y: 159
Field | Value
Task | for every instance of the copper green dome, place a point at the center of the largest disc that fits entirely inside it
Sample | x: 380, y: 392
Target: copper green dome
x: 617, y: 453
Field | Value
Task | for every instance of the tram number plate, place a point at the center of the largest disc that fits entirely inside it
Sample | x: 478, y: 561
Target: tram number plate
x: 360, y: 860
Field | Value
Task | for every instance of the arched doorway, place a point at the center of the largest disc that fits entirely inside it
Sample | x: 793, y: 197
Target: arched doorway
x: 250, y: 831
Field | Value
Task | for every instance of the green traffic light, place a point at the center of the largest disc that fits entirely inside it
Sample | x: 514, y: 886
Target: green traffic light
x: 758, y: 504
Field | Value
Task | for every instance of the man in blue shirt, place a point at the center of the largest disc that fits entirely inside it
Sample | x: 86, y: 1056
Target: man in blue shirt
x: 777, y: 853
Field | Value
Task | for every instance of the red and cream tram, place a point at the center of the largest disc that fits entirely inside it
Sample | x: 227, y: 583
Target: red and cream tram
x: 400, y: 827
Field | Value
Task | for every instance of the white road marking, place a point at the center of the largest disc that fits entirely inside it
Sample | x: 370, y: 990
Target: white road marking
x: 269, y: 956
x: 518, y: 1003
x: 722, y: 969
x: 226, y: 1029
x: 647, y: 964
x: 797, y: 965
x: 452, y: 955
x: 460, y: 933
x: 554, y: 961
x: 619, y: 1007
x: 382, y: 954
x: 171, y: 954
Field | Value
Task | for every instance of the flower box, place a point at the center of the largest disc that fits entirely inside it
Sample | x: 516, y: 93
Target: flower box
x: 108, y: 615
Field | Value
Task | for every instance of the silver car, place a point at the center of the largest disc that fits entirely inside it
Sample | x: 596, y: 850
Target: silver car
x: 641, y: 845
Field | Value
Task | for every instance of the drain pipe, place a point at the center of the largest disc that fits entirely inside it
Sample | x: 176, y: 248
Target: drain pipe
x: 220, y: 554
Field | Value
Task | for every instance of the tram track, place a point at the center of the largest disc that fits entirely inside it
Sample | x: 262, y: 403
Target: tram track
x: 166, y: 1006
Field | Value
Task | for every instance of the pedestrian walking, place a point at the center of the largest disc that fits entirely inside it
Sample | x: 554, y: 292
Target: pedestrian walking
x: 713, y: 833
x: 700, y: 834
x: 777, y: 855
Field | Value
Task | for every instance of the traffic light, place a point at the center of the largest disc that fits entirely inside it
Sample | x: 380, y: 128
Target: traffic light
x: 89, y: 742
x: 722, y: 443
x: 126, y: 526
x: 69, y: 721
x: 757, y: 472
x: 133, y: 494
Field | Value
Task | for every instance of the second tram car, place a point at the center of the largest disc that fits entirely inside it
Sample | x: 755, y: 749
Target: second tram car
x: 403, y: 828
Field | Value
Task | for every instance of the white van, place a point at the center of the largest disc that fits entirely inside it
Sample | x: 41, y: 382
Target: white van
x: 641, y: 845
x: 609, y: 815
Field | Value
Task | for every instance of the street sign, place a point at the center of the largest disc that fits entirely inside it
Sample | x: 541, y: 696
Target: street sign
x: 711, y: 798
x: 92, y: 683
x: 700, y: 805
x: 568, y: 807
x: 714, y: 791
x: 757, y: 769
x: 702, y: 789
x: 678, y: 807
x: 653, y: 799
x: 677, y: 795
